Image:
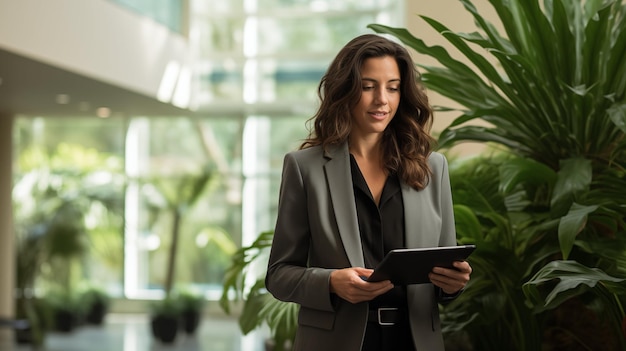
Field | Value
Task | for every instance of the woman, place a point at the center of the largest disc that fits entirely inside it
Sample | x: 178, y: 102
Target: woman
x: 364, y: 182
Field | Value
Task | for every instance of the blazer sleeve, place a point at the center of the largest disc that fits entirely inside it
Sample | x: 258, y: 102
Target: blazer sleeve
x: 448, y: 226
x: 288, y: 276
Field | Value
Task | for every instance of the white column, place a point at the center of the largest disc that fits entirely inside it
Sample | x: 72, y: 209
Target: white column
x: 7, y: 258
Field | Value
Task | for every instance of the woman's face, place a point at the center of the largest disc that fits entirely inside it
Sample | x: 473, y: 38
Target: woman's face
x: 380, y: 97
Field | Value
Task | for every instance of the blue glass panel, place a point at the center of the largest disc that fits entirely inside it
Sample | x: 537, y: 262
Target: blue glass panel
x: 166, y: 12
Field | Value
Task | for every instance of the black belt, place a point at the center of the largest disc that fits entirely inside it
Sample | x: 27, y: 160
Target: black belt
x: 386, y: 316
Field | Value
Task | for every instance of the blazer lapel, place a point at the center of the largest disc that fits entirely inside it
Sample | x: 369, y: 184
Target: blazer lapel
x: 420, y: 224
x: 339, y: 179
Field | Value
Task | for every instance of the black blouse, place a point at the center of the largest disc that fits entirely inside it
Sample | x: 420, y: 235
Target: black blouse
x: 381, y: 227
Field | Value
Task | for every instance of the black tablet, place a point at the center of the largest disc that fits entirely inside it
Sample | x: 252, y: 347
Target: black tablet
x: 412, y: 266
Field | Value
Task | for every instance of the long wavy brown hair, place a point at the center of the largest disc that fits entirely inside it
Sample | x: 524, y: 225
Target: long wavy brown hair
x: 406, y: 142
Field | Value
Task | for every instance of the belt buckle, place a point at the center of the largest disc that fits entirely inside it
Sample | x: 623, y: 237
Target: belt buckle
x: 380, y: 320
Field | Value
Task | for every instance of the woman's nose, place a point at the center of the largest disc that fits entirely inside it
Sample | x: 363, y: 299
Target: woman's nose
x: 380, y: 97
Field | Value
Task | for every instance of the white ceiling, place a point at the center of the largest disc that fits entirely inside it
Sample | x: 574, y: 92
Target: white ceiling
x: 30, y: 87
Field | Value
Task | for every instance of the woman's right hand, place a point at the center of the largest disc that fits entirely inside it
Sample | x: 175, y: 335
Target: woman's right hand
x: 350, y: 285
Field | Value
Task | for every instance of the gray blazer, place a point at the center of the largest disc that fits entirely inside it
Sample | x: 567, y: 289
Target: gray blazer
x: 317, y: 232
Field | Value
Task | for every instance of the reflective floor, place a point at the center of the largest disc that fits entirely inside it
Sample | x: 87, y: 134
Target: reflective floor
x: 131, y: 332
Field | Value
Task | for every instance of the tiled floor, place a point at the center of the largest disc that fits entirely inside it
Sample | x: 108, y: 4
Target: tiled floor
x: 131, y: 332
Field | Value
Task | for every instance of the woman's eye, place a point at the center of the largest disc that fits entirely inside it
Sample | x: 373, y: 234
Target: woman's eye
x: 393, y: 89
x: 369, y: 87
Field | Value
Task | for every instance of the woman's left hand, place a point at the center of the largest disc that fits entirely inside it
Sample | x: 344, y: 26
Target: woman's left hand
x: 451, y: 280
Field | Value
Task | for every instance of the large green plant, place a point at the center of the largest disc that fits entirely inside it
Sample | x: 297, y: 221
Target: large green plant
x: 516, y: 237
x: 60, y: 198
x: 245, y: 278
x: 550, y: 219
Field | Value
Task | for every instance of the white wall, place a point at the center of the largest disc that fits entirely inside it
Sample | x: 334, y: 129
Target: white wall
x: 95, y: 38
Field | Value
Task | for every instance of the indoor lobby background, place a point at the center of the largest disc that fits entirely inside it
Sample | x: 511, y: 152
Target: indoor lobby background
x: 124, y: 92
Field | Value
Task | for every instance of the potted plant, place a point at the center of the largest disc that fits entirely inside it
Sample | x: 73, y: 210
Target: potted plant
x: 30, y: 254
x: 56, y: 237
x: 67, y: 310
x: 52, y: 198
x: 96, y: 302
x: 191, y: 305
x: 244, y: 281
x: 65, y: 240
x: 165, y: 319
x: 174, y: 195
x: 548, y: 218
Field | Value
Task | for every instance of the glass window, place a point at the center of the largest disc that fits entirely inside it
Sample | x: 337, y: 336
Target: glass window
x: 217, y: 8
x: 295, y: 34
x: 267, y: 141
x: 219, y: 81
x: 215, y: 36
x: 297, y: 80
x: 274, y: 51
x: 279, y: 81
x: 317, y: 6
x: 186, y: 195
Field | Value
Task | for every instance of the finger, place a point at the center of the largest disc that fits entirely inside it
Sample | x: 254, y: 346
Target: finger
x: 462, y: 266
x: 374, y: 285
x: 446, y: 271
x: 449, y: 276
x: 454, y: 272
x: 447, y: 288
x: 363, y: 271
x: 356, y: 296
x: 366, y: 291
x: 380, y: 289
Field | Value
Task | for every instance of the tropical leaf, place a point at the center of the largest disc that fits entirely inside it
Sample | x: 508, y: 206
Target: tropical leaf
x: 576, y: 280
x: 255, y: 302
x: 524, y: 171
x: 468, y: 225
x: 236, y: 274
x: 282, y: 317
x: 617, y: 113
x: 573, y: 280
x: 259, y: 306
x: 574, y: 179
x: 571, y: 225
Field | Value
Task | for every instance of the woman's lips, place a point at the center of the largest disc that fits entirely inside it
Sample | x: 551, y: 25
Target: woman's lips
x: 379, y: 114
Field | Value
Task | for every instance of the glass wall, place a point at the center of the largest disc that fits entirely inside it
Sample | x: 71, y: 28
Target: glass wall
x: 170, y: 13
x: 262, y: 60
x: 184, y: 186
x: 207, y: 182
x: 274, y: 51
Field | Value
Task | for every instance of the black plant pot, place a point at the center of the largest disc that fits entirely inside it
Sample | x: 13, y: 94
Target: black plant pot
x: 95, y: 314
x: 25, y: 336
x: 24, y: 333
x: 65, y: 321
x: 165, y: 328
x: 190, y: 320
